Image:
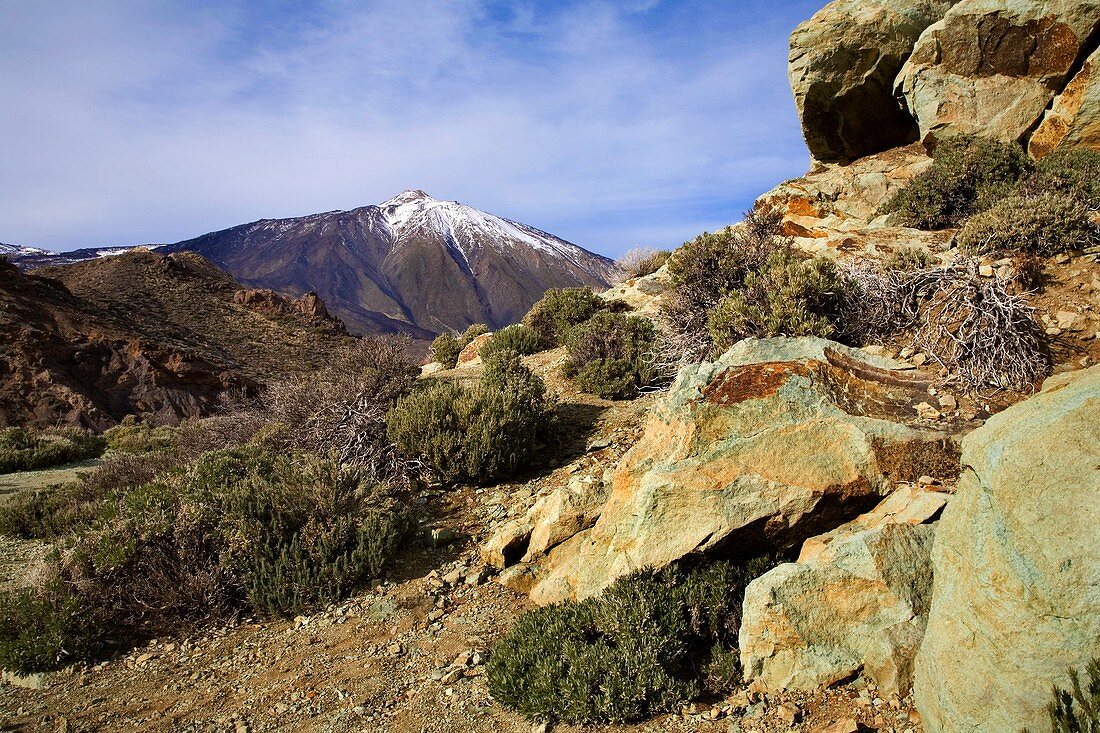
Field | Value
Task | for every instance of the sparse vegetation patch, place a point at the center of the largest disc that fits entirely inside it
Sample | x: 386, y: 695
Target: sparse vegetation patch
x: 25, y: 450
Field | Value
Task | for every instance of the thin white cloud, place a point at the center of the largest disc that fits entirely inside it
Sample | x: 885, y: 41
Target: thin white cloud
x: 131, y: 122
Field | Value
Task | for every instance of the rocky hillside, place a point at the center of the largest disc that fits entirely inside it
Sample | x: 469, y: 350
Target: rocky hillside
x: 410, y: 265
x: 869, y: 505
x: 144, y: 333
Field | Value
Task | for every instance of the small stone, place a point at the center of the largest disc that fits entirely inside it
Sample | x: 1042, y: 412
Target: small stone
x: 452, y: 675
x: 948, y: 402
x: 435, y: 615
x: 844, y: 725
x: 478, y: 576
x: 985, y: 270
x: 925, y: 411
x: 454, y: 576
x: 395, y: 650
x: 919, y: 359
x: 874, y: 349
x: 540, y: 728
x: 1069, y: 321
x: 788, y: 713
x: 478, y: 658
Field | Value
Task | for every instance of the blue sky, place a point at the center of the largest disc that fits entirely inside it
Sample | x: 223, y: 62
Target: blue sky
x: 612, y: 124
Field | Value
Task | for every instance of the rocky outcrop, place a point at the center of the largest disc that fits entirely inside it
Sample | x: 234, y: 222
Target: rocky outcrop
x: 856, y: 601
x: 834, y: 209
x: 779, y: 440
x: 842, y: 66
x: 1074, y: 118
x: 271, y: 303
x: 550, y: 521
x: 991, y: 67
x: 1016, y: 600
x: 471, y: 352
x: 642, y: 294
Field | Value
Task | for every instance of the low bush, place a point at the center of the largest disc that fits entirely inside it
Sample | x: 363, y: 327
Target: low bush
x: 1042, y: 225
x: 472, y: 332
x: 1077, y: 710
x: 788, y: 296
x: 650, y: 642
x: 967, y: 175
x: 909, y: 258
x: 706, y: 270
x: 445, y: 350
x: 642, y: 261
x: 130, y: 436
x: 245, y: 528
x: 559, y: 310
x: 474, y: 433
x: 611, y: 355
x: 517, y: 338
x: 1074, y: 173
x: 23, y: 450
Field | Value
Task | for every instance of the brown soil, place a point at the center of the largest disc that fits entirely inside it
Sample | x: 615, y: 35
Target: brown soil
x: 383, y: 660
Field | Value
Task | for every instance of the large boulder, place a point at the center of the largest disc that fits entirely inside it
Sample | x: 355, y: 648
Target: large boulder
x: 1074, y: 118
x: 779, y: 440
x: 1016, y: 559
x: 992, y: 67
x: 842, y: 66
x: 856, y: 600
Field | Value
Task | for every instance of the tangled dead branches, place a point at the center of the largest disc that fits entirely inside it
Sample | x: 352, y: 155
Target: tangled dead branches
x: 972, y: 326
x: 342, y: 410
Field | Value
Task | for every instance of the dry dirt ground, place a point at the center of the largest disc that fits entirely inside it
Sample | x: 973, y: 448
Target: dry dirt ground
x: 406, y: 655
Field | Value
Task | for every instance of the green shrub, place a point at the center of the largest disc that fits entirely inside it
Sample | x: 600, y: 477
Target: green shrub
x: 244, y: 528
x: 474, y: 433
x: 1077, y: 710
x: 559, y: 310
x: 472, y: 332
x: 610, y: 355
x: 1043, y: 225
x: 130, y: 436
x: 445, y: 350
x: 967, y: 175
x: 787, y: 297
x: 1074, y: 173
x: 707, y: 269
x: 909, y: 258
x: 651, y: 641
x: 22, y: 450
x: 517, y: 338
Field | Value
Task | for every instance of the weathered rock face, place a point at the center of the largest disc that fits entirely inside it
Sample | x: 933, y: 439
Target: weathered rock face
x: 1074, y: 118
x: 857, y: 599
x: 1016, y: 600
x: 992, y: 67
x: 471, y: 353
x: 833, y: 209
x: 842, y: 66
x: 552, y: 520
x: 779, y: 440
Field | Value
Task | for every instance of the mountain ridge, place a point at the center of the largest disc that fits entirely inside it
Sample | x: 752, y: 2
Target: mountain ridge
x: 412, y: 264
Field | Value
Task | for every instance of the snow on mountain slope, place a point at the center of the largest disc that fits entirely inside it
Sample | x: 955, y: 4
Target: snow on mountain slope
x: 412, y: 264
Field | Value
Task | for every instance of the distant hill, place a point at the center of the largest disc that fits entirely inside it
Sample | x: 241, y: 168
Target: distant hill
x: 142, y: 332
x: 411, y: 265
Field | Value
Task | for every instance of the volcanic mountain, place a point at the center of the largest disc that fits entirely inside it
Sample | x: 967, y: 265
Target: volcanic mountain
x: 411, y: 265
x: 144, y: 333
